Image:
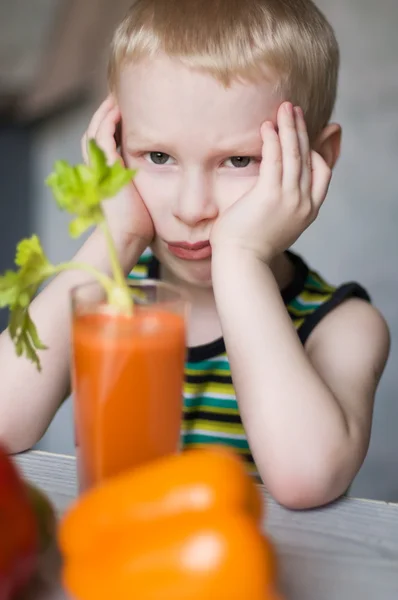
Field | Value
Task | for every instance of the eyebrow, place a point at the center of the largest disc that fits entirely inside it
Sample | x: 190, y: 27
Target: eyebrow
x: 245, y: 148
x: 248, y: 145
x: 134, y: 137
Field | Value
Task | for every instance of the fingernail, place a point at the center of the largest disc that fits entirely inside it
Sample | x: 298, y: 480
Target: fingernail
x: 299, y: 111
x: 289, y: 108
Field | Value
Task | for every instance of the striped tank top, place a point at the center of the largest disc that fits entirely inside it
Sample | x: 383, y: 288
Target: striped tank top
x: 210, y: 410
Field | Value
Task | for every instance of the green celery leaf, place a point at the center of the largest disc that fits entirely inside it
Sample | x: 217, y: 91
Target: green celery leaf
x: 81, y: 224
x: 30, y: 257
x: 117, y: 177
x: 9, y: 289
x: 33, y: 334
x: 81, y: 189
x: 97, y: 159
x: 16, y: 287
x: 17, y: 290
x: 24, y: 334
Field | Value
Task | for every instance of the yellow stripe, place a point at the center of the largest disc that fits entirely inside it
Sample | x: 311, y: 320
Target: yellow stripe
x: 140, y: 270
x: 300, y: 311
x: 298, y: 322
x: 313, y: 297
x: 138, y: 294
x: 226, y: 428
x: 210, y: 387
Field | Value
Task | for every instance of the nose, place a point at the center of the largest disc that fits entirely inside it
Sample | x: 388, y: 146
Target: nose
x: 195, y: 202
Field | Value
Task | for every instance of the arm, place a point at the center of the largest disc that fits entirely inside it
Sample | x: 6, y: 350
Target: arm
x: 28, y: 399
x: 307, y: 414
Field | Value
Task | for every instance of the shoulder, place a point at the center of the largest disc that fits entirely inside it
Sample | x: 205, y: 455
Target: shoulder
x: 356, y: 332
x: 349, y: 350
x: 314, y: 298
x: 340, y: 329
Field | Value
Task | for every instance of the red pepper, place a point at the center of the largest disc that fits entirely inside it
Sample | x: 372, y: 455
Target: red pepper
x: 19, y: 535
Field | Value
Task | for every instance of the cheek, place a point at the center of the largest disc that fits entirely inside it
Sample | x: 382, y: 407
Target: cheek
x: 157, y: 193
x: 229, y: 189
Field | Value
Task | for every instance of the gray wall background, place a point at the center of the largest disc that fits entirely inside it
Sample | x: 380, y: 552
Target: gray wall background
x: 14, y: 192
x: 355, y: 236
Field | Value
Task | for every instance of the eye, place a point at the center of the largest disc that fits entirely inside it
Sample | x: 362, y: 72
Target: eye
x: 239, y: 162
x: 158, y: 158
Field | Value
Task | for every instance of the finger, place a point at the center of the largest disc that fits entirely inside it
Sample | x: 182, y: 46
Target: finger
x: 321, y: 176
x: 107, y: 105
x: 97, y: 118
x: 83, y: 145
x: 271, y: 161
x: 305, y: 152
x: 105, y: 136
x: 291, y: 157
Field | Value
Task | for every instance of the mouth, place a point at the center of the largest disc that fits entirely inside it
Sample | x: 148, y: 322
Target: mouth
x: 186, y: 251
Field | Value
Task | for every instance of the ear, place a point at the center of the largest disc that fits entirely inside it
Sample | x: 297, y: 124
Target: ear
x: 328, y: 144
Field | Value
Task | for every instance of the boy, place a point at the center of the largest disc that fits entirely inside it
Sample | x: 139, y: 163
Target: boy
x: 224, y: 108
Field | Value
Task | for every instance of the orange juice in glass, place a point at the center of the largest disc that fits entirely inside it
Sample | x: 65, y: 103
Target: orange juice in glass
x: 127, y: 376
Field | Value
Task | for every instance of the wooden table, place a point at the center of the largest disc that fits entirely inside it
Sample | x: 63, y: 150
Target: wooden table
x: 346, y: 551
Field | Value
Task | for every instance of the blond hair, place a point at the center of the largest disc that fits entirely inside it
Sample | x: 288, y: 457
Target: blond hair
x: 239, y: 39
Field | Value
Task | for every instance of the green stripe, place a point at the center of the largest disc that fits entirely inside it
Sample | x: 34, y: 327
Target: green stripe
x: 209, y: 365
x: 145, y: 259
x: 221, y: 410
x: 311, y: 281
x: 215, y: 403
x: 299, y: 310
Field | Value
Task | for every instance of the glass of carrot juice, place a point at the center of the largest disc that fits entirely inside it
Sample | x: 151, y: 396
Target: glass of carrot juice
x: 127, y: 378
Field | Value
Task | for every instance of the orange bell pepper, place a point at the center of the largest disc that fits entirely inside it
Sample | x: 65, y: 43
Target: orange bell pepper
x: 186, y: 527
x: 194, y: 481
x: 214, y: 555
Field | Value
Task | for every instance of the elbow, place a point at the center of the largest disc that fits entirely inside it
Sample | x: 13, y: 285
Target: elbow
x: 13, y: 446
x: 302, y: 495
x: 15, y: 443
x: 306, y: 488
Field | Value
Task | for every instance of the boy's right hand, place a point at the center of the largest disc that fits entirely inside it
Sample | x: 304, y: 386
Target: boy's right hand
x: 126, y: 213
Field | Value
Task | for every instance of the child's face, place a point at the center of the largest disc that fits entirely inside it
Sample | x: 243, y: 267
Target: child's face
x: 185, y: 133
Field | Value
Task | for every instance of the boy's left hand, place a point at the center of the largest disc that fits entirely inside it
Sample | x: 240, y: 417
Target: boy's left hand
x: 291, y: 187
